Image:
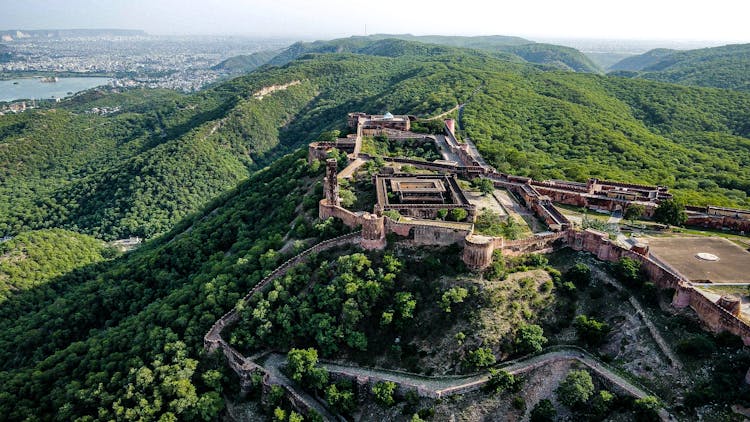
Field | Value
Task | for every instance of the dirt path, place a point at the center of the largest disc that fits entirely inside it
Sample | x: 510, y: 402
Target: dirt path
x: 445, y: 113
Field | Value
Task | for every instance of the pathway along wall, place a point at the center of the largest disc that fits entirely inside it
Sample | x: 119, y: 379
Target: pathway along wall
x: 244, y: 367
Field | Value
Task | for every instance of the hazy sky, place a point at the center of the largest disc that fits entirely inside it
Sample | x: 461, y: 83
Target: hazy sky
x: 725, y: 20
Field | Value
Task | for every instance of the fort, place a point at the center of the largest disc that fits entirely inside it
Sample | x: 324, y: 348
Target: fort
x: 417, y: 198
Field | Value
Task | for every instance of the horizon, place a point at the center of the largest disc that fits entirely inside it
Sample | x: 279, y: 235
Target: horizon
x: 641, y: 20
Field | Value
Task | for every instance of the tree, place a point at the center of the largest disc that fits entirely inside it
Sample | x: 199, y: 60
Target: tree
x: 634, y: 212
x: 601, y: 403
x: 341, y: 398
x: 591, y: 331
x: 579, y: 274
x: 544, y: 411
x: 671, y: 212
x: 481, y: 357
x: 648, y: 408
x: 484, y: 185
x: 459, y: 214
x: 279, y: 415
x: 628, y: 270
x: 442, y: 213
x: 405, y: 304
x: 451, y: 296
x: 576, y: 388
x: 329, y: 135
x: 302, y: 366
x: 384, y: 392
x: 529, y: 339
x: 500, y: 381
x: 348, y: 198
x: 392, y: 214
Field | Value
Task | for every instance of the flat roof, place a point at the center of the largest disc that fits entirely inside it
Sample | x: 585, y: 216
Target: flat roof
x: 414, y: 185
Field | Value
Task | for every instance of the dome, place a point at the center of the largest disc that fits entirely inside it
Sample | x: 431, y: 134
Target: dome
x: 387, y: 116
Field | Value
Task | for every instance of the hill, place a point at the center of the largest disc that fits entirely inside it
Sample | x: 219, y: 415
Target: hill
x: 642, y: 61
x: 75, y: 345
x: 205, y: 176
x: 34, y: 258
x: 719, y: 67
x: 164, y: 155
x: 245, y: 63
x: 509, y: 48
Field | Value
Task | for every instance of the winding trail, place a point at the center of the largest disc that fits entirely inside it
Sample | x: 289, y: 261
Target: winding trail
x: 443, y: 386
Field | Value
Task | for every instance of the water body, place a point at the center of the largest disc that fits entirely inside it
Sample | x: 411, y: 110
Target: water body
x: 35, y: 89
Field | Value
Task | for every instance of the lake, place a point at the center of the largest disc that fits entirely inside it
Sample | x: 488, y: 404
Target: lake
x: 33, y: 88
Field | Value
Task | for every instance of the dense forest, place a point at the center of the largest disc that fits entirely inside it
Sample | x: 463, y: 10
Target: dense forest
x: 719, y: 67
x: 164, y: 155
x: 508, y: 48
x: 87, y: 334
x: 122, y: 339
x: 33, y: 258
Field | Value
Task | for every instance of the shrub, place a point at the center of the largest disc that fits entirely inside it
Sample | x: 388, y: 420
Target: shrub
x: 500, y: 381
x: 601, y: 404
x: 628, y: 271
x: 591, y: 331
x: 579, y: 274
x: 696, y: 346
x: 544, y: 411
x: 481, y: 357
x: 647, y: 408
x: 383, y: 392
x: 576, y: 388
x: 452, y: 296
x: 529, y: 339
x: 459, y: 214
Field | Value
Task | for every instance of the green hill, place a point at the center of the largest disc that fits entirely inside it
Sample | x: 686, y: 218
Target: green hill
x: 641, y: 61
x: 34, y: 258
x: 719, y: 67
x: 509, y: 48
x: 164, y: 155
x: 139, y: 171
x: 205, y: 176
x: 124, y: 337
x: 245, y: 63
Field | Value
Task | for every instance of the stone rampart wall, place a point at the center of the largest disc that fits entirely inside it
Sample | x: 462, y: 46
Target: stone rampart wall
x: 533, y: 244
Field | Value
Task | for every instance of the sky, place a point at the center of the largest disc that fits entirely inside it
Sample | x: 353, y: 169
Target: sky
x: 715, y: 20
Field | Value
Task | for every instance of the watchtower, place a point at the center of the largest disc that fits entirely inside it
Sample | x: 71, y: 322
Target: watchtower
x: 331, y: 183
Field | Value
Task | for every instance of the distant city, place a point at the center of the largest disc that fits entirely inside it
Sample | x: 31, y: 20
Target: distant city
x: 131, y: 58
x: 134, y: 58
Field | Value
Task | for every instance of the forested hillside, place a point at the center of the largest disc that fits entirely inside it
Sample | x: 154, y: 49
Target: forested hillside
x: 508, y: 48
x: 34, y: 258
x: 718, y: 67
x: 122, y: 339
x: 572, y: 126
x: 138, y: 171
x: 84, y: 334
x: 642, y: 61
x: 246, y: 63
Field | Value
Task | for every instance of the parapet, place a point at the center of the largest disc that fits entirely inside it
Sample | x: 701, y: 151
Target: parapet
x: 731, y: 304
